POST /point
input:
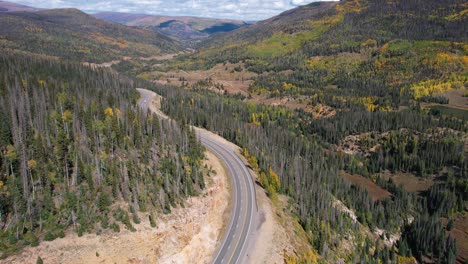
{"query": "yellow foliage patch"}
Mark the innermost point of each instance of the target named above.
(288, 87)
(369, 43)
(384, 48)
(144, 75)
(109, 112)
(121, 43)
(368, 102)
(350, 6)
(103, 156)
(10, 153)
(406, 260)
(52, 176)
(305, 256)
(314, 61)
(458, 16)
(433, 87)
(33, 29)
(451, 58)
(32, 164)
(453, 61)
(67, 116)
(118, 113)
(254, 119)
(274, 179)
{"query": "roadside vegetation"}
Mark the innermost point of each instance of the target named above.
(78, 154)
(283, 147)
(385, 87)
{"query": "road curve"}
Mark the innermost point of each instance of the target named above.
(233, 248)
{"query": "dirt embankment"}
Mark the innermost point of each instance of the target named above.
(276, 232)
(272, 237)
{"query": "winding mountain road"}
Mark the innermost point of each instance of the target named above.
(238, 235)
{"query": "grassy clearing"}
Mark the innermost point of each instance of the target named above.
(457, 98)
(375, 191)
(282, 43)
(410, 182)
(450, 111)
(460, 233)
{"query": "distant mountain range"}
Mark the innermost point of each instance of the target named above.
(183, 28)
(197, 23)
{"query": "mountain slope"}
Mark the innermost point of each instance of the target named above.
(72, 34)
(359, 20)
(78, 154)
(290, 22)
(366, 48)
(179, 30)
(118, 17)
(383, 68)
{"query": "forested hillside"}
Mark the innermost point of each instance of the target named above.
(374, 53)
(78, 154)
(393, 76)
(289, 156)
(74, 35)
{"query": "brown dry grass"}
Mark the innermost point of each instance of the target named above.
(121, 43)
(456, 98)
(375, 191)
(410, 182)
(460, 233)
(234, 82)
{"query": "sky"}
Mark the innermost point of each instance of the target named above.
(251, 10)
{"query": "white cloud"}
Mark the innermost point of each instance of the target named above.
(234, 9)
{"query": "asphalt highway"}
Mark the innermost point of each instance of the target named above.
(237, 236)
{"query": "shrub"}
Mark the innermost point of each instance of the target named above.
(49, 236)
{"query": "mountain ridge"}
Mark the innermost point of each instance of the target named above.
(73, 34)
(183, 28)
(138, 19)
